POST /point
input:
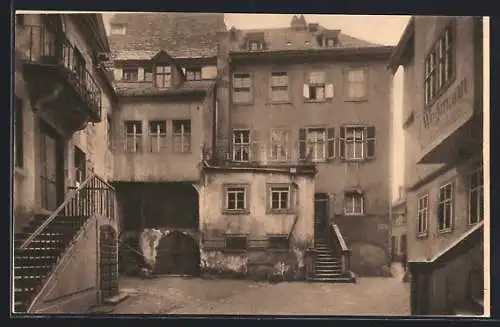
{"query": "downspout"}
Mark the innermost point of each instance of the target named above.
(296, 216)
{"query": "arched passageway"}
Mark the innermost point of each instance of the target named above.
(178, 254)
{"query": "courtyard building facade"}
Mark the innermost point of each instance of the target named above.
(64, 219)
(443, 121)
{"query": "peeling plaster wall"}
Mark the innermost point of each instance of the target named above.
(256, 224)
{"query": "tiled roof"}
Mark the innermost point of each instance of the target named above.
(287, 38)
(141, 88)
(181, 35)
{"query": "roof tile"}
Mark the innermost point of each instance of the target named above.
(182, 35)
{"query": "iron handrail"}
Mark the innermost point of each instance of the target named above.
(62, 206)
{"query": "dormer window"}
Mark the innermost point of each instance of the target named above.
(163, 76)
(331, 42)
(255, 45)
(193, 74)
(118, 29)
(130, 74)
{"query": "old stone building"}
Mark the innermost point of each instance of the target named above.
(305, 95)
(442, 59)
(399, 227)
(62, 95)
(164, 71)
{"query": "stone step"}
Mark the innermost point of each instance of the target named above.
(339, 279)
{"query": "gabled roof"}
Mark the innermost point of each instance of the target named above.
(287, 38)
(181, 35)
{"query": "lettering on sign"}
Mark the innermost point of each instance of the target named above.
(433, 115)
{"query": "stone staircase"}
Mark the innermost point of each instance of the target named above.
(327, 267)
(34, 264)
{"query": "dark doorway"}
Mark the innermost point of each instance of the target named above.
(402, 244)
(178, 254)
(108, 272)
(51, 172)
(320, 214)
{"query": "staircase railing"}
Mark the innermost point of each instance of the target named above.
(337, 244)
(93, 197)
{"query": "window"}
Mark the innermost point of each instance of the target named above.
(476, 197)
(279, 198)
(242, 87)
(331, 42)
(278, 243)
(422, 215)
(241, 145)
(439, 66)
(109, 125)
(236, 242)
(279, 86)
(255, 45)
(357, 142)
(18, 133)
(313, 142)
(130, 74)
(182, 136)
(353, 203)
(148, 74)
(402, 244)
(80, 162)
(316, 81)
(118, 29)
(193, 74)
(163, 77)
(279, 145)
(133, 136)
(235, 198)
(445, 207)
(157, 135)
(19, 19)
(356, 80)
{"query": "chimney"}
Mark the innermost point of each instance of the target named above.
(298, 23)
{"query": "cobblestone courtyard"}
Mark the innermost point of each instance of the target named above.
(177, 295)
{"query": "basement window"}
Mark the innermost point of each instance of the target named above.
(278, 242)
(236, 242)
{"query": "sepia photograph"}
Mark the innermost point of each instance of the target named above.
(188, 163)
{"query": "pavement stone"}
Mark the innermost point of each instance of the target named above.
(176, 295)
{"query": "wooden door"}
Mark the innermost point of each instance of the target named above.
(320, 213)
(51, 172)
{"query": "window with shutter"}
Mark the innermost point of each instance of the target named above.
(331, 143)
(302, 144)
(370, 142)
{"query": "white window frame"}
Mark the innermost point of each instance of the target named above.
(354, 195)
(479, 191)
(239, 144)
(193, 74)
(165, 71)
(280, 189)
(280, 144)
(135, 136)
(157, 138)
(235, 190)
(317, 82)
(185, 137)
(314, 143)
(447, 201)
(354, 141)
(127, 70)
(423, 215)
(351, 80)
(255, 45)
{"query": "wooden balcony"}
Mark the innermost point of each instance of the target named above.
(56, 76)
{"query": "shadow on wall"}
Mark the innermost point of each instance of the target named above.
(369, 260)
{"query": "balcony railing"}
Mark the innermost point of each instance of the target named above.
(42, 46)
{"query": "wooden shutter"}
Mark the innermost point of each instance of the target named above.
(370, 142)
(342, 143)
(209, 72)
(331, 143)
(302, 144)
(118, 74)
(305, 91)
(329, 91)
